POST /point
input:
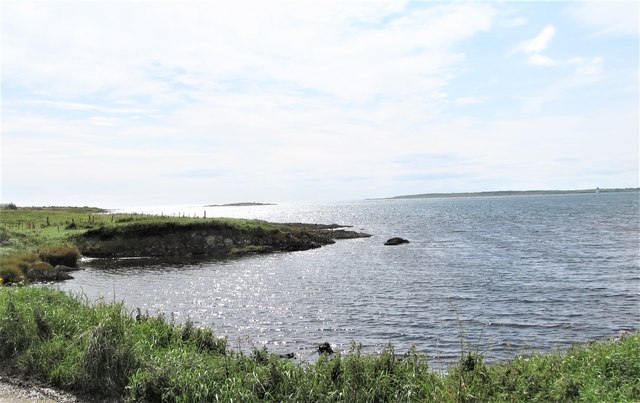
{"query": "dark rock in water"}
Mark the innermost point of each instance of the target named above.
(288, 355)
(396, 241)
(65, 269)
(325, 348)
(61, 275)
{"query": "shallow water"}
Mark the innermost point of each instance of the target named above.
(503, 274)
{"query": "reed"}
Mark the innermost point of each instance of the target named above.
(104, 349)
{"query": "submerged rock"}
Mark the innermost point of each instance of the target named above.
(396, 241)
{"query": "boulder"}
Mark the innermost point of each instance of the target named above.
(396, 241)
(42, 271)
(325, 348)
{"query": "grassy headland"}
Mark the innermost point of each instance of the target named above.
(106, 350)
(40, 238)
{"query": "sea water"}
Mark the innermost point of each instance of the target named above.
(496, 275)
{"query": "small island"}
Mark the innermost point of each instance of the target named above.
(240, 204)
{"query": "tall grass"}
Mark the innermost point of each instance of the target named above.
(106, 350)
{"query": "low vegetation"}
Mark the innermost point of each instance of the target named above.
(57, 235)
(103, 349)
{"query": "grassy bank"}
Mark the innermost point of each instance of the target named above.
(105, 350)
(27, 228)
(39, 238)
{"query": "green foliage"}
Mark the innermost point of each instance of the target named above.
(248, 250)
(13, 267)
(50, 233)
(108, 351)
(109, 359)
(60, 255)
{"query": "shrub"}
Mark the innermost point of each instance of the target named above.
(109, 360)
(14, 331)
(41, 266)
(13, 268)
(61, 255)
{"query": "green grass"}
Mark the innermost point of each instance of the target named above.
(104, 349)
(48, 233)
(37, 227)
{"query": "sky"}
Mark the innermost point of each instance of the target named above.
(120, 103)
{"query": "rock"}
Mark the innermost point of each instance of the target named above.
(288, 355)
(325, 348)
(65, 269)
(61, 275)
(42, 271)
(396, 241)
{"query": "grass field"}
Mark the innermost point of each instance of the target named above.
(36, 227)
(27, 235)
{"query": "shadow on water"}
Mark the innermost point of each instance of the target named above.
(157, 263)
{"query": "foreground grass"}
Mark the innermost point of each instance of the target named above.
(105, 350)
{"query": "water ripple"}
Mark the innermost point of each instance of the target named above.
(500, 275)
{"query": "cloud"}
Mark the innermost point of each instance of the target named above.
(281, 100)
(471, 100)
(611, 18)
(539, 43)
(534, 47)
(541, 60)
(311, 46)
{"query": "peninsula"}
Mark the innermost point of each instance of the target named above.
(34, 240)
(508, 193)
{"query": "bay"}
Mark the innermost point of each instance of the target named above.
(496, 275)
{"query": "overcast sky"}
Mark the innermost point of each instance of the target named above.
(121, 103)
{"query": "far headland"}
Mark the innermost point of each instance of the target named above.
(509, 193)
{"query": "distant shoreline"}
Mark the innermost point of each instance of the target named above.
(243, 204)
(508, 193)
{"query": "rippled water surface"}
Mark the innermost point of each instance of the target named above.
(507, 273)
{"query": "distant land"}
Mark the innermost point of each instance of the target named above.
(508, 193)
(242, 204)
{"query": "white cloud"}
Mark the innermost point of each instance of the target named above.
(541, 60)
(610, 18)
(515, 22)
(203, 99)
(539, 43)
(471, 100)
